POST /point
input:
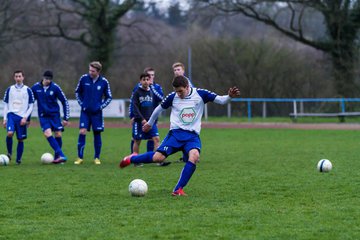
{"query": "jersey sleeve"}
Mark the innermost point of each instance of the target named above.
(206, 95)
(6, 95)
(31, 95)
(158, 93)
(168, 100)
(131, 107)
(65, 103)
(79, 92)
(107, 94)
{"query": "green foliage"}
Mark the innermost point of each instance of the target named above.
(250, 184)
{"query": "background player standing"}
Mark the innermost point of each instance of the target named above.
(142, 109)
(46, 93)
(158, 95)
(18, 105)
(93, 95)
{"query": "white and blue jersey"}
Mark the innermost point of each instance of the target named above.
(19, 100)
(47, 103)
(93, 96)
(186, 113)
(18, 104)
(185, 120)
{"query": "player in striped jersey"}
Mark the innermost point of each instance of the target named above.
(18, 105)
(93, 95)
(187, 107)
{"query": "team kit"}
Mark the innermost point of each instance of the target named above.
(93, 94)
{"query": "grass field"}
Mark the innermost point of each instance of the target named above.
(250, 184)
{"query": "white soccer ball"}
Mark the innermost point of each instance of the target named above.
(324, 165)
(138, 188)
(4, 160)
(47, 158)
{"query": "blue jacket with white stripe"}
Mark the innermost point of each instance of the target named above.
(93, 96)
(47, 100)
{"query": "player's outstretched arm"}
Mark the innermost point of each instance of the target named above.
(234, 92)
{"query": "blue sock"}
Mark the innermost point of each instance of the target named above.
(55, 146)
(81, 145)
(59, 141)
(9, 144)
(97, 144)
(150, 146)
(143, 158)
(132, 146)
(185, 175)
(19, 151)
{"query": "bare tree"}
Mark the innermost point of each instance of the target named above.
(92, 23)
(11, 13)
(341, 21)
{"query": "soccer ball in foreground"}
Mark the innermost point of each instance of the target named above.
(4, 160)
(138, 188)
(324, 165)
(47, 158)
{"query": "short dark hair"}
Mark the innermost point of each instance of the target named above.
(144, 75)
(180, 81)
(18, 71)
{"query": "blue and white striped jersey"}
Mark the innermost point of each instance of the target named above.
(186, 113)
(19, 100)
(47, 100)
(93, 96)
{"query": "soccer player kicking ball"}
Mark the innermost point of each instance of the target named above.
(47, 93)
(187, 107)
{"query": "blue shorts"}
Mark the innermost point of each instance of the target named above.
(54, 123)
(138, 134)
(180, 140)
(13, 125)
(94, 120)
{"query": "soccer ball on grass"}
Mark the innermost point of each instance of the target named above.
(4, 160)
(324, 165)
(138, 188)
(47, 158)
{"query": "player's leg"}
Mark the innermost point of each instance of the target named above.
(136, 148)
(47, 124)
(97, 122)
(168, 147)
(97, 146)
(150, 145)
(58, 138)
(132, 146)
(10, 127)
(19, 151)
(156, 141)
(21, 134)
(84, 125)
(193, 148)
